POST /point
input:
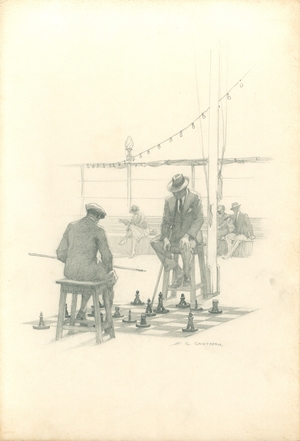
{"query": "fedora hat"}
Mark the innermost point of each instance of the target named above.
(96, 208)
(178, 183)
(235, 205)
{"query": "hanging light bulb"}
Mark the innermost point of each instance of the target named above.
(119, 164)
(241, 84)
(193, 126)
(203, 115)
(171, 139)
(140, 156)
(148, 152)
(228, 96)
(181, 134)
(158, 146)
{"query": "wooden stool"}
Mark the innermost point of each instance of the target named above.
(79, 288)
(192, 289)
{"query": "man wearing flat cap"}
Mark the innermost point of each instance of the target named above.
(180, 228)
(243, 229)
(78, 250)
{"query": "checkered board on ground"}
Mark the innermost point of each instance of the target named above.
(171, 324)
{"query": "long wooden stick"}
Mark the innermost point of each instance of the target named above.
(115, 266)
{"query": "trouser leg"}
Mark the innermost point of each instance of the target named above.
(186, 263)
(165, 257)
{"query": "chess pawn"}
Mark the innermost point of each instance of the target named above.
(215, 309)
(160, 307)
(190, 325)
(143, 323)
(149, 312)
(41, 324)
(67, 315)
(183, 303)
(137, 300)
(128, 320)
(117, 313)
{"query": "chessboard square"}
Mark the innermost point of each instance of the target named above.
(186, 312)
(137, 310)
(174, 324)
(207, 323)
(155, 332)
(160, 319)
(229, 315)
(201, 318)
(242, 310)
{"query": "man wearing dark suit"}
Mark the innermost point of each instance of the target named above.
(180, 228)
(78, 249)
(243, 230)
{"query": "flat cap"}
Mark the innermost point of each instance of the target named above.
(95, 207)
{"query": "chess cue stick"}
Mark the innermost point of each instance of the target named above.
(115, 266)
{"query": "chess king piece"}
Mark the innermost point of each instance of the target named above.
(183, 303)
(67, 315)
(149, 312)
(129, 320)
(117, 313)
(41, 324)
(215, 309)
(143, 323)
(190, 326)
(160, 307)
(137, 300)
(196, 307)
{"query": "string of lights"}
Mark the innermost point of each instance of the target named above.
(122, 164)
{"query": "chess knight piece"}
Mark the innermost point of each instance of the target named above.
(143, 323)
(190, 326)
(215, 309)
(41, 324)
(160, 307)
(117, 313)
(137, 300)
(183, 303)
(128, 320)
(149, 312)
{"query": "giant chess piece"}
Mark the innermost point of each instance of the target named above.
(143, 323)
(67, 315)
(129, 320)
(183, 303)
(196, 307)
(215, 309)
(160, 307)
(149, 312)
(137, 300)
(117, 313)
(41, 325)
(190, 326)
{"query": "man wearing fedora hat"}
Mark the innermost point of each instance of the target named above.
(180, 228)
(78, 249)
(243, 229)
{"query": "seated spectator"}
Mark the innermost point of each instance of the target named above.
(137, 228)
(222, 227)
(243, 230)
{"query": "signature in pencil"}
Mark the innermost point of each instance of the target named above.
(196, 343)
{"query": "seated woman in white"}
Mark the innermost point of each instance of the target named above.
(137, 228)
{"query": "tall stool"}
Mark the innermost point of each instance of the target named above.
(79, 288)
(193, 287)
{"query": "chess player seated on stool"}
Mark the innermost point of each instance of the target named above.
(180, 229)
(78, 249)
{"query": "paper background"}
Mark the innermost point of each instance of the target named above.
(77, 78)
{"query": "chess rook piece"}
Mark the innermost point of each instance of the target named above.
(143, 323)
(149, 312)
(128, 320)
(190, 326)
(41, 325)
(117, 313)
(137, 300)
(215, 309)
(183, 303)
(196, 307)
(160, 307)
(67, 315)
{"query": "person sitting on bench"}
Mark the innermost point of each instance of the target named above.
(78, 249)
(243, 230)
(180, 228)
(137, 228)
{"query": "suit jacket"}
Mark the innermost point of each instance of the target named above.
(175, 224)
(78, 250)
(242, 224)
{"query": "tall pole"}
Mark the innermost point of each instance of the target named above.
(212, 267)
(82, 189)
(128, 147)
(192, 177)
